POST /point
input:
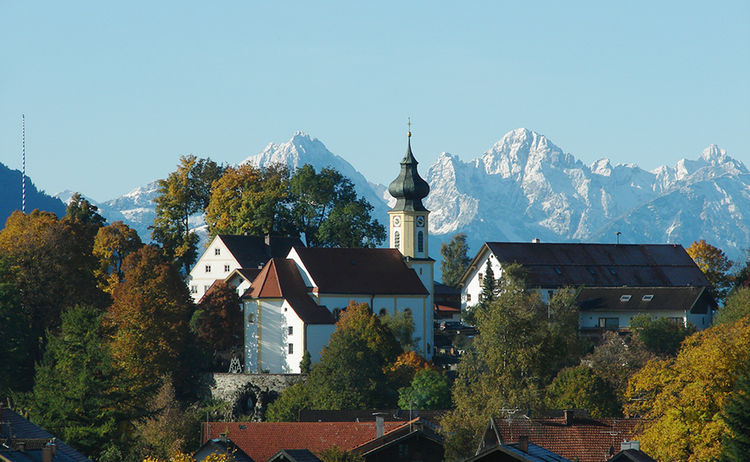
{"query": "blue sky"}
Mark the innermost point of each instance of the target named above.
(114, 94)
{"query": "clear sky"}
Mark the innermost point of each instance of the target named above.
(114, 94)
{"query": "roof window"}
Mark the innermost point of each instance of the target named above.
(558, 270)
(624, 298)
(591, 270)
(612, 271)
(647, 298)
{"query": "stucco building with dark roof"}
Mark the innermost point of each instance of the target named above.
(615, 281)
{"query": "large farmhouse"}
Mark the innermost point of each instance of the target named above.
(614, 281)
(291, 302)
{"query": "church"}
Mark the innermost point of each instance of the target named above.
(291, 304)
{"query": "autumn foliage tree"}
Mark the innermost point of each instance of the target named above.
(111, 245)
(217, 320)
(683, 398)
(149, 318)
(714, 264)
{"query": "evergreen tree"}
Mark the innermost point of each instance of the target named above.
(455, 259)
(16, 369)
(488, 285)
(77, 393)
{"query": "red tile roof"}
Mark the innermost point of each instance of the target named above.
(261, 440)
(583, 439)
(360, 271)
(280, 278)
(446, 309)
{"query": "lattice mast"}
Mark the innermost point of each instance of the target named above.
(23, 163)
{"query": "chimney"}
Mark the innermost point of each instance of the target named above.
(267, 239)
(523, 443)
(47, 454)
(379, 426)
(223, 437)
(630, 445)
(536, 240)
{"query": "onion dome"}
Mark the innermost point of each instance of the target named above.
(409, 188)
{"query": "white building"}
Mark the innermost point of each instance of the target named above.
(615, 281)
(226, 253)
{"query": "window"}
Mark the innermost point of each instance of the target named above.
(208, 268)
(468, 297)
(251, 318)
(291, 348)
(624, 298)
(609, 323)
(226, 268)
(217, 251)
(647, 298)
(676, 321)
(396, 239)
(612, 272)
(481, 277)
(591, 271)
(193, 289)
(205, 288)
(420, 241)
(290, 330)
(558, 270)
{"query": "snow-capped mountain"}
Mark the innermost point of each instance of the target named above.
(525, 187)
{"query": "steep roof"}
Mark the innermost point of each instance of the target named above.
(409, 188)
(17, 428)
(398, 435)
(253, 251)
(261, 440)
(599, 265)
(360, 271)
(576, 438)
(294, 455)
(644, 299)
(534, 453)
(280, 278)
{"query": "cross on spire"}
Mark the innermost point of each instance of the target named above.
(408, 133)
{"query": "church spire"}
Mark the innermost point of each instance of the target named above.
(409, 188)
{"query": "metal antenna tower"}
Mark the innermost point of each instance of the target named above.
(23, 163)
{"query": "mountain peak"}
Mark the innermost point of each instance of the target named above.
(713, 154)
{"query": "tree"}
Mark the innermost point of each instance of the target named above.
(84, 216)
(736, 307)
(401, 325)
(520, 348)
(488, 285)
(682, 398)
(455, 259)
(149, 318)
(111, 245)
(351, 373)
(616, 359)
(430, 389)
(185, 192)
(401, 372)
(335, 454)
(251, 200)
(77, 393)
(580, 388)
(736, 414)
(660, 336)
(52, 267)
(217, 320)
(328, 213)
(16, 367)
(306, 364)
(714, 264)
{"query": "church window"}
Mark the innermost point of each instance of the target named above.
(217, 251)
(396, 239)
(251, 318)
(420, 241)
(291, 330)
(291, 348)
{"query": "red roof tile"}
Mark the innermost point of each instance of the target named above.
(261, 440)
(583, 439)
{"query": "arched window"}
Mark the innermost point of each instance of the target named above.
(420, 241)
(396, 239)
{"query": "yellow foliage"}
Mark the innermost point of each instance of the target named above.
(182, 457)
(714, 264)
(682, 398)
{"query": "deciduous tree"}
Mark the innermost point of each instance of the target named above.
(430, 389)
(580, 388)
(455, 259)
(714, 264)
(111, 245)
(736, 414)
(660, 336)
(736, 307)
(682, 398)
(16, 367)
(217, 320)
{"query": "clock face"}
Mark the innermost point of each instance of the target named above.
(396, 221)
(420, 221)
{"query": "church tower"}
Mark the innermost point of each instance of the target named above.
(409, 233)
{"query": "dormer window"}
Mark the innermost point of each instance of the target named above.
(624, 298)
(647, 298)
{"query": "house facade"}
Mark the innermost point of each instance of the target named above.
(614, 281)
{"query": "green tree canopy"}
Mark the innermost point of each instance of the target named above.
(736, 414)
(430, 389)
(661, 336)
(328, 213)
(77, 395)
(580, 388)
(16, 367)
(185, 192)
(455, 259)
(736, 307)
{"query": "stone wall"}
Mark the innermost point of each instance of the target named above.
(249, 394)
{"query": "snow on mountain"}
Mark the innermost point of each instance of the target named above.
(526, 187)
